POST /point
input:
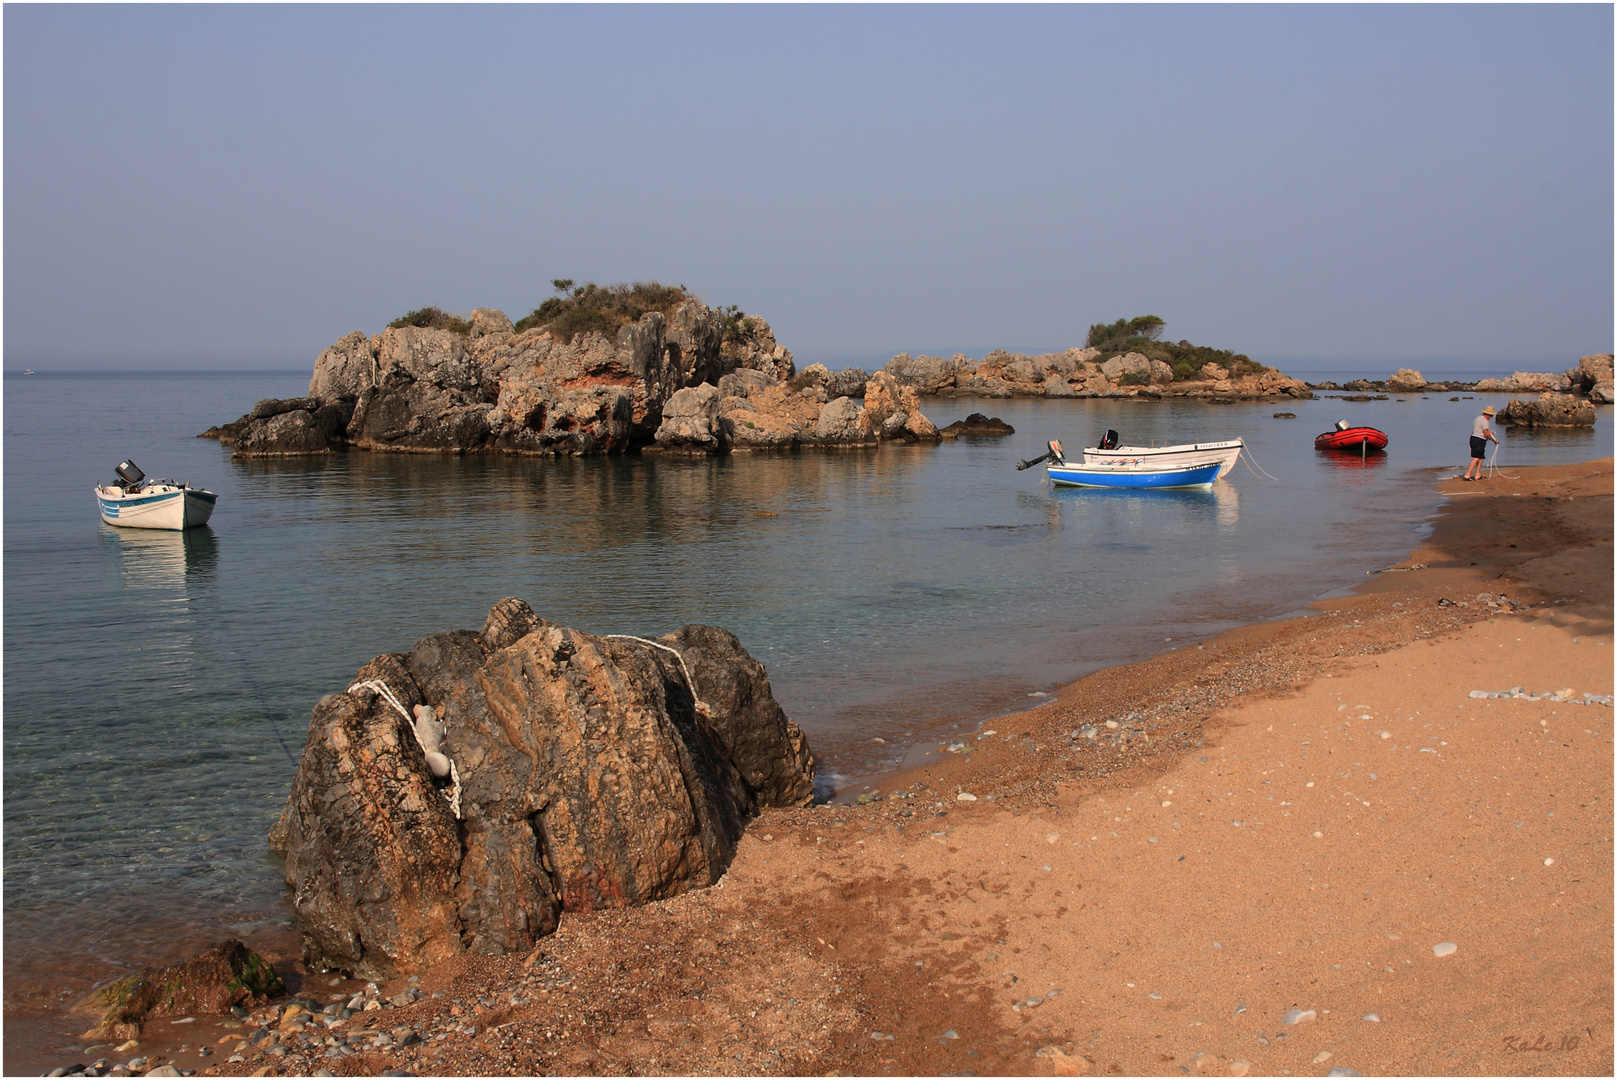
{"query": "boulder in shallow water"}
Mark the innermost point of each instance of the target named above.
(1549, 410)
(586, 772)
(978, 424)
(225, 975)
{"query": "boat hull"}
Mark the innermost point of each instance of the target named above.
(1226, 453)
(1356, 440)
(175, 508)
(1135, 477)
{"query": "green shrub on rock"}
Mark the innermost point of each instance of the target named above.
(601, 309)
(1139, 335)
(432, 318)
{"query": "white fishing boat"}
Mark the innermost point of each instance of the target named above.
(1226, 453)
(1113, 474)
(134, 502)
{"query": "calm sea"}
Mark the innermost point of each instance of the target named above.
(158, 686)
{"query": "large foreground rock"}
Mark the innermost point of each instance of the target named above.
(224, 975)
(586, 772)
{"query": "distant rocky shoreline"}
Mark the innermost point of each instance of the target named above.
(701, 380)
(1567, 399)
(685, 382)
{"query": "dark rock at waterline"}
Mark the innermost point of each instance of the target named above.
(227, 974)
(978, 424)
(589, 772)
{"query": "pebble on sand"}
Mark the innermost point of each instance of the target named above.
(965, 796)
(1239, 1067)
(1549, 862)
(1322, 1056)
(1298, 1016)
(1374, 1018)
(1444, 948)
(1340, 1071)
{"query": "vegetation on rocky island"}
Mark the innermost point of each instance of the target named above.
(1140, 334)
(582, 309)
(432, 318)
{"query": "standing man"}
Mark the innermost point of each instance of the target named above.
(1481, 435)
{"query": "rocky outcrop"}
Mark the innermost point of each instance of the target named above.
(1592, 377)
(749, 411)
(493, 390)
(1549, 410)
(225, 975)
(978, 425)
(580, 772)
(1528, 381)
(1406, 380)
(1079, 373)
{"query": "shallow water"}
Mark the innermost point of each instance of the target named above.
(158, 686)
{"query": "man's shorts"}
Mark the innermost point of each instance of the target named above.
(1479, 447)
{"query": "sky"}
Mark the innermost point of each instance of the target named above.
(1320, 186)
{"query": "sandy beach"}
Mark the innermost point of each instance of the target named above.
(1312, 820)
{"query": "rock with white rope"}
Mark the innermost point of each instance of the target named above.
(584, 771)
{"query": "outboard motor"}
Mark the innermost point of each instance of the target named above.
(1342, 425)
(1109, 440)
(129, 474)
(1053, 453)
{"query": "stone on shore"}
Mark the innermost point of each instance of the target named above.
(227, 974)
(588, 772)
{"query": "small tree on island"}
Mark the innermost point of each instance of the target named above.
(1141, 335)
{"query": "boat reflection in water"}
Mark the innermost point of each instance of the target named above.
(163, 559)
(1166, 509)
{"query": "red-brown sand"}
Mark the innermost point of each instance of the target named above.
(1309, 815)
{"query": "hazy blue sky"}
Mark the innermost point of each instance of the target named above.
(238, 186)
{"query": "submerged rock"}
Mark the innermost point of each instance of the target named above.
(221, 977)
(586, 772)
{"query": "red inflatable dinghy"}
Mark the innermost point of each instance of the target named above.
(1359, 440)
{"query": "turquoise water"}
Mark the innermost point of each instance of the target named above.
(158, 686)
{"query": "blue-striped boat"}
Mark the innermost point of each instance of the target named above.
(134, 502)
(1125, 475)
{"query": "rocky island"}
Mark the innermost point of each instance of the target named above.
(598, 370)
(650, 368)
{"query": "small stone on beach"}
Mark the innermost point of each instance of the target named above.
(1373, 1018)
(1444, 948)
(1298, 1016)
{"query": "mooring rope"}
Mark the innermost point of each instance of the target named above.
(690, 683)
(453, 794)
(1251, 464)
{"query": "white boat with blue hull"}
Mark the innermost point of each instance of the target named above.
(1111, 474)
(1225, 452)
(134, 502)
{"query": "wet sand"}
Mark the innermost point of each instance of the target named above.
(1290, 816)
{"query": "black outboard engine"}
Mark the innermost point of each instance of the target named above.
(1342, 425)
(1052, 452)
(1109, 440)
(129, 475)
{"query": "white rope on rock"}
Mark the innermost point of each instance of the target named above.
(690, 683)
(376, 685)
